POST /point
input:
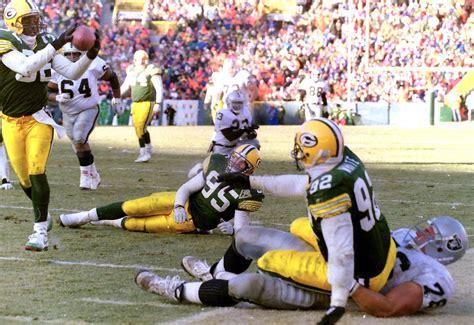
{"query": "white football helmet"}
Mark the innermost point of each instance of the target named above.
(72, 53)
(140, 58)
(443, 238)
(235, 101)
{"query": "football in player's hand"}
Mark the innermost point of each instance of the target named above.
(83, 38)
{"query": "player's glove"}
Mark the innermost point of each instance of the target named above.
(117, 106)
(180, 215)
(63, 98)
(64, 38)
(251, 133)
(226, 227)
(235, 179)
(333, 314)
(94, 51)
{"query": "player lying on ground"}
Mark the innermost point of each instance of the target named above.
(353, 234)
(418, 281)
(200, 204)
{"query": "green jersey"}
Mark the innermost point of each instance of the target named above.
(219, 200)
(347, 188)
(140, 82)
(28, 94)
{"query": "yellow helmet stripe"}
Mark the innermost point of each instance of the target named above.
(332, 207)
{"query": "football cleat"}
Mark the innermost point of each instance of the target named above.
(94, 181)
(197, 268)
(74, 220)
(37, 241)
(85, 181)
(6, 185)
(169, 287)
(144, 156)
(149, 148)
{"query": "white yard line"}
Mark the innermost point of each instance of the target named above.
(89, 263)
(126, 303)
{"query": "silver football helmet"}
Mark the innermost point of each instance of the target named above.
(71, 52)
(235, 101)
(443, 238)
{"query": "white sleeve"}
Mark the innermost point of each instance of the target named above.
(338, 233)
(68, 69)
(28, 65)
(99, 67)
(158, 84)
(241, 219)
(192, 185)
(283, 185)
(125, 85)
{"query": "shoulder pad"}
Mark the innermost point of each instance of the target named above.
(8, 41)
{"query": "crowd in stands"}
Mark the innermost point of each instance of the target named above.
(281, 51)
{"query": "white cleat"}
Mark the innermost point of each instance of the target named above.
(37, 241)
(6, 185)
(144, 156)
(197, 268)
(94, 181)
(74, 220)
(169, 287)
(149, 148)
(85, 181)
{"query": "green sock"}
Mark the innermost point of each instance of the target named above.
(40, 196)
(111, 212)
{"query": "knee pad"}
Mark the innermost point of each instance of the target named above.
(216, 293)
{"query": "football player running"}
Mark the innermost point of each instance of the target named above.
(4, 168)
(144, 81)
(78, 101)
(27, 56)
(419, 279)
(201, 204)
(313, 94)
(231, 124)
(353, 237)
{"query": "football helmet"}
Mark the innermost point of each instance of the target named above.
(140, 57)
(443, 238)
(317, 141)
(23, 17)
(235, 101)
(244, 159)
(71, 52)
(229, 66)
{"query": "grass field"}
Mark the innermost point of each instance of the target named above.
(87, 274)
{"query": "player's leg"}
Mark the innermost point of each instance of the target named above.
(142, 112)
(83, 125)
(4, 169)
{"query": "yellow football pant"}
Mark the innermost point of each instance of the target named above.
(154, 213)
(142, 113)
(28, 144)
(310, 268)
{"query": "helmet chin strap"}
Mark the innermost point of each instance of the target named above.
(30, 40)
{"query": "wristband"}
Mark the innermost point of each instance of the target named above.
(178, 206)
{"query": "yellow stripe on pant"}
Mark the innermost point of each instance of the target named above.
(142, 112)
(28, 144)
(154, 214)
(310, 268)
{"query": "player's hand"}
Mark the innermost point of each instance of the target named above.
(63, 98)
(226, 227)
(180, 215)
(64, 38)
(333, 314)
(251, 133)
(156, 108)
(94, 51)
(235, 179)
(118, 106)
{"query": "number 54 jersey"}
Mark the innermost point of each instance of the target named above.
(219, 200)
(83, 91)
(347, 188)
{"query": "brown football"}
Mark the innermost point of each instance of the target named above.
(83, 38)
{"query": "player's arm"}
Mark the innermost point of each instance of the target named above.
(183, 193)
(282, 185)
(158, 85)
(53, 91)
(27, 65)
(404, 299)
(110, 76)
(125, 85)
(224, 124)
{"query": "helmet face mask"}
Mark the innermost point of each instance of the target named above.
(443, 238)
(23, 18)
(317, 141)
(245, 160)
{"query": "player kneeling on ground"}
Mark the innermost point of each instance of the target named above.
(201, 204)
(419, 279)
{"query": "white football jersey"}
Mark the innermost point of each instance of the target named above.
(314, 90)
(225, 119)
(414, 266)
(237, 82)
(83, 91)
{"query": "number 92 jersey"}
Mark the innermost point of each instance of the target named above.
(219, 200)
(26, 95)
(347, 188)
(83, 91)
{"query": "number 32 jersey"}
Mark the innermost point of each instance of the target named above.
(83, 91)
(347, 188)
(219, 200)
